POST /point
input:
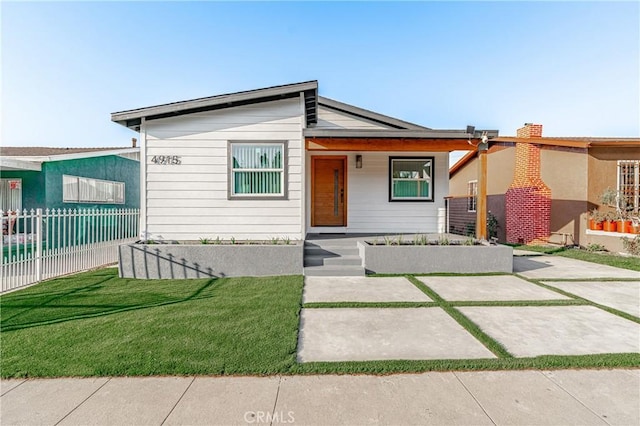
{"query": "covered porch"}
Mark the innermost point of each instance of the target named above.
(384, 182)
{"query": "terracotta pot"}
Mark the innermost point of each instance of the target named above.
(609, 225)
(595, 226)
(629, 227)
(621, 225)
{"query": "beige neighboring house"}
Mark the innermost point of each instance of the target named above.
(541, 189)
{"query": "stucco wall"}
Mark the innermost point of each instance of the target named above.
(565, 172)
(111, 168)
(500, 168)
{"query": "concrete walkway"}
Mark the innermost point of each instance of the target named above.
(585, 397)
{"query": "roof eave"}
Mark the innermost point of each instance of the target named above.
(132, 118)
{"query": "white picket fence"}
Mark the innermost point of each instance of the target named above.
(38, 245)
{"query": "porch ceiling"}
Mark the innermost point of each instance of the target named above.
(389, 144)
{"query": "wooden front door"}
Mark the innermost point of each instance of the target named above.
(328, 191)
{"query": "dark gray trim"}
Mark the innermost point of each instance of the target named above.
(285, 166)
(433, 186)
(369, 115)
(397, 133)
(130, 118)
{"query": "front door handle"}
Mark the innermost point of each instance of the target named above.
(342, 196)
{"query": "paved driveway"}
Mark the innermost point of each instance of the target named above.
(526, 318)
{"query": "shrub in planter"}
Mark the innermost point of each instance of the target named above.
(595, 220)
(609, 223)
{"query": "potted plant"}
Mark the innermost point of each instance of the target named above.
(609, 223)
(609, 197)
(595, 220)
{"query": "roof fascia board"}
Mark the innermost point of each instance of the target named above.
(397, 133)
(75, 156)
(14, 163)
(212, 101)
(369, 115)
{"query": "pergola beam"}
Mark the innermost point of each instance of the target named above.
(387, 144)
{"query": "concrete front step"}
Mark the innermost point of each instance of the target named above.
(319, 260)
(329, 250)
(334, 271)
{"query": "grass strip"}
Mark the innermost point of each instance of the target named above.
(609, 259)
(491, 344)
(516, 303)
(588, 302)
(546, 362)
(314, 305)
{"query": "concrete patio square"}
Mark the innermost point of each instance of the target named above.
(488, 288)
(558, 267)
(612, 394)
(406, 399)
(361, 289)
(44, 401)
(363, 334)
(225, 400)
(131, 401)
(621, 295)
(527, 331)
(526, 398)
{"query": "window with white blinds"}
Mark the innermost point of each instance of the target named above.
(10, 194)
(257, 170)
(77, 189)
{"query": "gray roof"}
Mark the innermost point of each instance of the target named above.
(370, 115)
(132, 118)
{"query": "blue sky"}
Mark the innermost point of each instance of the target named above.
(573, 67)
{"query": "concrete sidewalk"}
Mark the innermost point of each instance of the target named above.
(586, 397)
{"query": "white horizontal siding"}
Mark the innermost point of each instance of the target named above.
(332, 119)
(368, 206)
(189, 201)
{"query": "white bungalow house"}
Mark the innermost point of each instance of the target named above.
(285, 162)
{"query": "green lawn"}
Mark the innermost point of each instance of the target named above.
(626, 262)
(98, 324)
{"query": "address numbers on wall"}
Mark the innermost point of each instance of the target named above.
(166, 160)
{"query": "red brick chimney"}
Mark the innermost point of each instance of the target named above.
(530, 130)
(528, 199)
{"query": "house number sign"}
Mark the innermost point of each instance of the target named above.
(166, 160)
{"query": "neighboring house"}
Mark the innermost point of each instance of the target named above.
(541, 188)
(70, 178)
(284, 162)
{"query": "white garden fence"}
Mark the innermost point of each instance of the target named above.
(38, 245)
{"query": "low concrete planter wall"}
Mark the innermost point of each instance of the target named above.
(428, 259)
(178, 261)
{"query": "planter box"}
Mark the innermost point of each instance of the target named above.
(180, 261)
(429, 259)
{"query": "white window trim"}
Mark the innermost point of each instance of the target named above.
(428, 179)
(282, 195)
(473, 196)
(5, 181)
(79, 201)
(636, 182)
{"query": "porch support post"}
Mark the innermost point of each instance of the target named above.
(481, 205)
